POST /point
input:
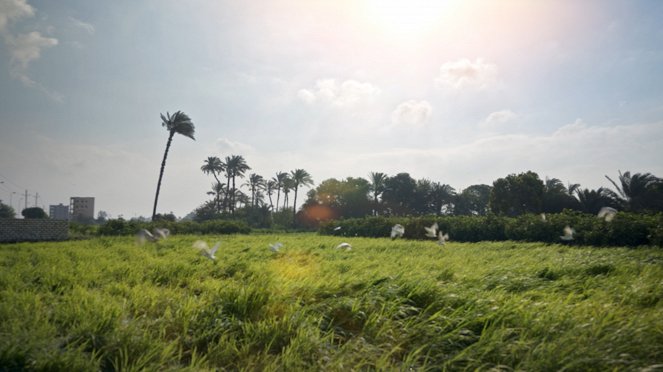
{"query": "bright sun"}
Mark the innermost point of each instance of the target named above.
(407, 17)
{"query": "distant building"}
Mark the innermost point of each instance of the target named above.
(58, 212)
(81, 208)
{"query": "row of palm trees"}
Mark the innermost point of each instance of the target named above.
(234, 166)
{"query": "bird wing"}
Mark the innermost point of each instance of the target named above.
(144, 235)
(431, 232)
(200, 244)
(161, 233)
(397, 230)
(607, 212)
(215, 248)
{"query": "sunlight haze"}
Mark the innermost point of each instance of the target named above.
(459, 92)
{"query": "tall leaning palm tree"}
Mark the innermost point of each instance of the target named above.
(214, 166)
(300, 177)
(178, 123)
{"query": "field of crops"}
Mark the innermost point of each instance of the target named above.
(110, 304)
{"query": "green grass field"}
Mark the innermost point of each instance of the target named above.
(109, 304)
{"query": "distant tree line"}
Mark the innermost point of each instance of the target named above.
(265, 200)
(513, 195)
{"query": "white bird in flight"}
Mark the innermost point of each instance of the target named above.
(275, 247)
(204, 249)
(607, 213)
(431, 232)
(397, 231)
(144, 235)
(160, 233)
(568, 233)
(442, 238)
(347, 246)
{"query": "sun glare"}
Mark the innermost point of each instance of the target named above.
(407, 17)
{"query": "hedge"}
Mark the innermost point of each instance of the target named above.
(626, 229)
(122, 227)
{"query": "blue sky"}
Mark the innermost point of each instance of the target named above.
(460, 92)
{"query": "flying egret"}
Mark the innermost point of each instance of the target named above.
(160, 233)
(143, 236)
(607, 213)
(397, 231)
(568, 234)
(347, 246)
(275, 247)
(204, 249)
(337, 228)
(431, 232)
(442, 238)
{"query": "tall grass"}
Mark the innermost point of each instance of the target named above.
(109, 304)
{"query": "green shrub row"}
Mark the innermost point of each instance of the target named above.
(626, 229)
(122, 227)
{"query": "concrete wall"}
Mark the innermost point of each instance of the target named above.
(21, 230)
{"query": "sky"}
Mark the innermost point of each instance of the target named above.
(456, 91)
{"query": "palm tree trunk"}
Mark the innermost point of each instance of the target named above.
(218, 199)
(294, 206)
(278, 196)
(226, 198)
(232, 204)
(163, 166)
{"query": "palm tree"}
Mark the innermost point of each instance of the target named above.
(280, 180)
(229, 175)
(636, 192)
(442, 195)
(591, 201)
(237, 166)
(256, 183)
(213, 165)
(377, 180)
(217, 189)
(554, 186)
(179, 123)
(270, 186)
(288, 184)
(300, 177)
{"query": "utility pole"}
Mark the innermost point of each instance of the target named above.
(36, 196)
(26, 199)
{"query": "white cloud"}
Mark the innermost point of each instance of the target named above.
(87, 27)
(24, 48)
(306, 95)
(347, 94)
(412, 113)
(497, 118)
(12, 10)
(465, 73)
(227, 147)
